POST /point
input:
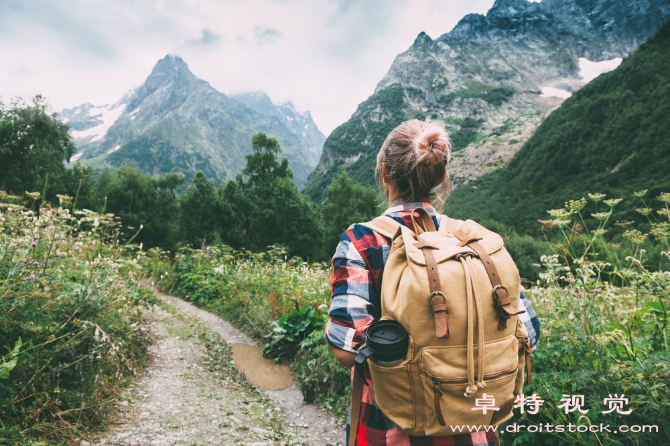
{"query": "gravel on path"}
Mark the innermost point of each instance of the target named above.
(191, 394)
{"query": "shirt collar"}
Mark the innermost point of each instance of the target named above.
(398, 206)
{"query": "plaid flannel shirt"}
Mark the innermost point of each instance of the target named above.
(358, 268)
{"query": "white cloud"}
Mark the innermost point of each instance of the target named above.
(324, 55)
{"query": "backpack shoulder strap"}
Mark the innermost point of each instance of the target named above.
(383, 225)
(356, 402)
(449, 225)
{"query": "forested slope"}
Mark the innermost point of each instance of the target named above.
(612, 137)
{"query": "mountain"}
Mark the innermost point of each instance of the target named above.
(300, 124)
(175, 122)
(491, 81)
(611, 137)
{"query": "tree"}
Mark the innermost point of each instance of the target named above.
(199, 212)
(138, 199)
(32, 145)
(267, 208)
(347, 202)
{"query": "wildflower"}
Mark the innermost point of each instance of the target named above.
(664, 211)
(640, 193)
(599, 232)
(33, 195)
(68, 316)
(84, 326)
(561, 223)
(635, 236)
(571, 316)
(559, 214)
(601, 215)
(574, 206)
(34, 243)
(54, 303)
(547, 224)
(596, 197)
(613, 202)
(32, 276)
(624, 224)
(36, 263)
(644, 211)
(665, 197)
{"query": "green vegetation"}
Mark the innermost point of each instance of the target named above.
(466, 134)
(352, 139)
(70, 312)
(279, 301)
(604, 332)
(604, 326)
(477, 90)
(347, 203)
(33, 146)
(467, 123)
(462, 138)
(611, 137)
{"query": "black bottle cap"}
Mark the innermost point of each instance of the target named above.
(388, 340)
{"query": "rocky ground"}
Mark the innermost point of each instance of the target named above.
(192, 394)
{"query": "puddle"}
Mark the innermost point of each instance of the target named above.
(260, 371)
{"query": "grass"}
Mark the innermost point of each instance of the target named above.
(71, 326)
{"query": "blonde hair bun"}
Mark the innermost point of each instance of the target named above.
(432, 145)
(415, 156)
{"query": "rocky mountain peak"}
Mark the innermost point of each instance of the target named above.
(168, 69)
(509, 7)
(422, 40)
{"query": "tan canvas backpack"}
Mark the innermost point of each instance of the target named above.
(456, 292)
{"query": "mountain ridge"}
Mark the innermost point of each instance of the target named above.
(491, 81)
(176, 122)
(611, 137)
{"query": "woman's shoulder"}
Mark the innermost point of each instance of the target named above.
(363, 237)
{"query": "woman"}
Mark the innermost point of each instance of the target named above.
(411, 172)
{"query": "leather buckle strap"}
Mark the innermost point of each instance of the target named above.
(441, 322)
(439, 308)
(468, 240)
(529, 371)
(504, 306)
(501, 298)
(426, 220)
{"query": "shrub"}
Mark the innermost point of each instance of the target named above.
(70, 318)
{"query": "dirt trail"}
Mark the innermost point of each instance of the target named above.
(190, 393)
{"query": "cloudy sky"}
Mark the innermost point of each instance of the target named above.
(324, 55)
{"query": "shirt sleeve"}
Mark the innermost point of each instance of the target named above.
(532, 323)
(351, 310)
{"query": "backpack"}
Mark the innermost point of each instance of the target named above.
(452, 290)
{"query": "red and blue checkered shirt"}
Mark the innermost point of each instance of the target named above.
(358, 267)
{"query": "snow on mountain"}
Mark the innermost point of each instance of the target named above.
(106, 115)
(548, 92)
(590, 70)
